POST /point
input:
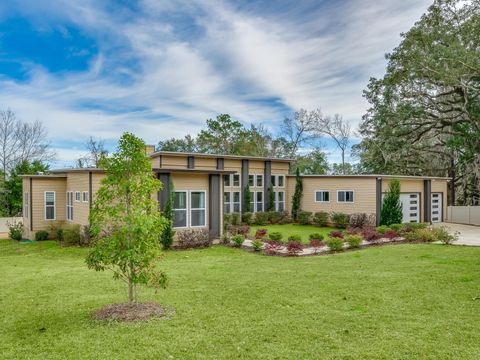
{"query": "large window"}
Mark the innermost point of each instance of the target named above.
(49, 205)
(322, 196)
(232, 180)
(70, 205)
(180, 209)
(345, 196)
(278, 180)
(259, 182)
(26, 202)
(197, 208)
(231, 201)
(279, 201)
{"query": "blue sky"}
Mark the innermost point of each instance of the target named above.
(159, 68)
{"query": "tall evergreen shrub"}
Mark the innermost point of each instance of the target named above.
(297, 196)
(392, 206)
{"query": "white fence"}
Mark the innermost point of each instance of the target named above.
(4, 221)
(464, 214)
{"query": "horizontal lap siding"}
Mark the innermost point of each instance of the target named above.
(78, 181)
(364, 194)
(205, 163)
(280, 167)
(406, 186)
(174, 162)
(37, 201)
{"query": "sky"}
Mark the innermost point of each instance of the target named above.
(160, 68)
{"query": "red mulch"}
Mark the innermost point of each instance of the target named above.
(130, 313)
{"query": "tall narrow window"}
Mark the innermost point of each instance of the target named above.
(272, 180)
(259, 182)
(227, 206)
(236, 180)
(279, 200)
(70, 205)
(226, 181)
(26, 202)
(236, 201)
(85, 197)
(49, 205)
(251, 180)
(252, 201)
(280, 180)
(259, 201)
(77, 196)
(180, 209)
(197, 208)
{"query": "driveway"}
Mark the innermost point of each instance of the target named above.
(469, 234)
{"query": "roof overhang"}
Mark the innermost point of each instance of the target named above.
(192, 171)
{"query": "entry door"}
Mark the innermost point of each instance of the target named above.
(411, 207)
(437, 206)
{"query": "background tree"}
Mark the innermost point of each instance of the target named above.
(314, 162)
(425, 112)
(187, 144)
(125, 220)
(168, 232)
(96, 153)
(392, 206)
(297, 195)
(298, 130)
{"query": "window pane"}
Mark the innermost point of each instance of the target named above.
(349, 196)
(250, 180)
(260, 180)
(326, 196)
(259, 196)
(236, 207)
(50, 213)
(198, 217)
(226, 180)
(180, 201)
(259, 206)
(273, 180)
(280, 195)
(226, 197)
(180, 218)
(281, 206)
(341, 196)
(50, 198)
(197, 200)
(280, 180)
(236, 196)
(236, 180)
(227, 208)
(318, 196)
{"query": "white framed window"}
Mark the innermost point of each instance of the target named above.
(278, 181)
(180, 212)
(251, 180)
(49, 205)
(226, 181)
(259, 180)
(322, 196)
(231, 201)
(252, 201)
(70, 205)
(345, 196)
(26, 202)
(77, 196)
(85, 197)
(258, 201)
(198, 208)
(236, 180)
(279, 200)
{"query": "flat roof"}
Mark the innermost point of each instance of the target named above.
(405, 177)
(65, 170)
(179, 153)
(45, 176)
(195, 171)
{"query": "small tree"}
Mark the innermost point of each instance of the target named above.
(297, 196)
(271, 199)
(125, 220)
(392, 207)
(168, 232)
(247, 198)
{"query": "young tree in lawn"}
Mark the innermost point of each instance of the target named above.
(392, 207)
(126, 223)
(297, 196)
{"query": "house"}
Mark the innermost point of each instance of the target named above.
(207, 186)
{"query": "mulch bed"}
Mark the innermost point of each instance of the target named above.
(131, 313)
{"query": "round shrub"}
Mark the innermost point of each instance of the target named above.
(295, 237)
(257, 245)
(238, 240)
(382, 229)
(304, 217)
(315, 236)
(277, 236)
(354, 241)
(336, 234)
(15, 230)
(320, 218)
(335, 243)
(41, 235)
(260, 233)
(294, 247)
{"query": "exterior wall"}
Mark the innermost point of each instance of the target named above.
(174, 162)
(364, 194)
(37, 204)
(79, 182)
(205, 163)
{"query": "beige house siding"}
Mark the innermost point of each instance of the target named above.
(174, 162)
(78, 182)
(205, 163)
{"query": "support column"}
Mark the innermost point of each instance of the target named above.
(220, 163)
(214, 207)
(427, 201)
(244, 182)
(378, 199)
(267, 182)
(163, 194)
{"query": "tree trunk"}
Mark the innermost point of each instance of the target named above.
(131, 291)
(343, 162)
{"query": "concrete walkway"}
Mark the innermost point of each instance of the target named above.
(468, 234)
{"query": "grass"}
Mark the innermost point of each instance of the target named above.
(392, 302)
(289, 229)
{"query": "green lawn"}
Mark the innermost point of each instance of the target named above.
(391, 302)
(289, 229)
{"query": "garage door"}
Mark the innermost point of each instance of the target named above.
(411, 207)
(437, 206)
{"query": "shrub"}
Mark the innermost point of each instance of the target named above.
(415, 226)
(247, 218)
(304, 217)
(238, 240)
(285, 218)
(370, 235)
(294, 237)
(382, 229)
(390, 234)
(361, 220)
(316, 236)
(236, 219)
(227, 220)
(336, 234)
(297, 195)
(354, 241)
(41, 235)
(71, 235)
(272, 248)
(261, 218)
(274, 217)
(423, 235)
(320, 218)
(60, 235)
(192, 238)
(442, 234)
(335, 243)
(391, 212)
(260, 233)
(340, 219)
(315, 244)
(85, 235)
(239, 229)
(294, 247)
(396, 227)
(276, 236)
(15, 230)
(257, 245)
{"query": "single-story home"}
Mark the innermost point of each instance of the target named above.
(207, 186)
